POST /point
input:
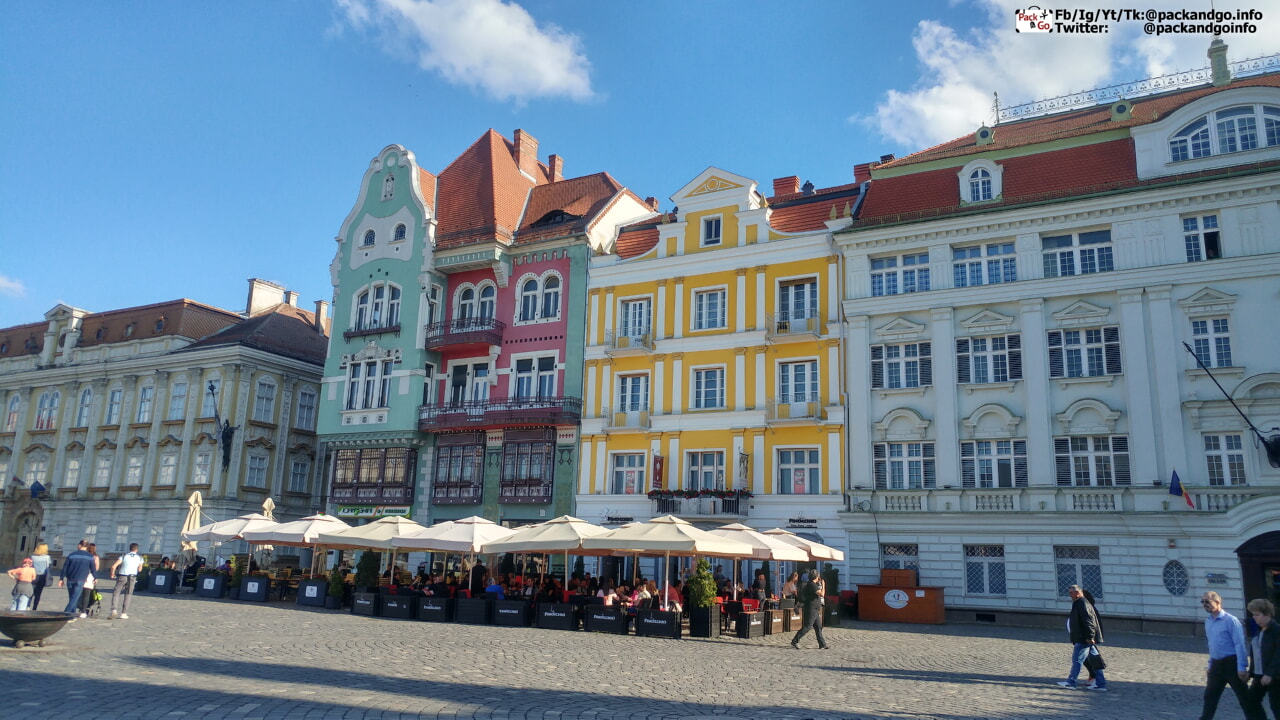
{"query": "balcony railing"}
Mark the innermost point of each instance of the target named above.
(622, 420)
(783, 325)
(457, 493)
(371, 493)
(802, 407)
(501, 413)
(623, 341)
(524, 491)
(485, 330)
(1050, 498)
(371, 330)
(735, 505)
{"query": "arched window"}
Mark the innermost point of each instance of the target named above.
(979, 185)
(369, 237)
(551, 297)
(378, 306)
(466, 304)
(11, 417)
(362, 310)
(47, 411)
(1233, 129)
(389, 187)
(529, 300)
(401, 231)
(86, 404)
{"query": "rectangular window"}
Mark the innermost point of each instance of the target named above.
(633, 393)
(209, 399)
(155, 539)
(635, 318)
(369, 384)
(102, 471)
(71, 477)
(528, 462)
(299, 471)
(797, 300)
(984, 569)
(122, 537)
(168, 469)
(146, 396)
(264, 402)
(90, 533)
(708, 389)
(1078, 566)
(983, 265)
(133, 471)
(200, 470)
(1202, 238)
(1077, 254)
(900, 274)
(1212, 340)
(37, 470)
(709, 310)
(993, 463)
(899, 556)
(904, 466)
(85, 408)
(798, 382)
(628, 474)
(384, 383)
(907, 365)
(799, 472)
(1098, 461)
(1090, 352)
(710, 231)
(1224, 455)
(307, 408)
(989, 359)
(114, 399)
(177, 402)
(257, 473)
(459, 473)
(705, 471)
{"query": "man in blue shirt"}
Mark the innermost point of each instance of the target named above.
(1228, 659)
(75, 572)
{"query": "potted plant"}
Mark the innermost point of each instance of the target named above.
(704, 613)
(337, 585)
(237, 576)
(367, 572)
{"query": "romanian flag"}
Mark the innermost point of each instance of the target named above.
(1175, 488)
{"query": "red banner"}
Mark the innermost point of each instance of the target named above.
(659, 464)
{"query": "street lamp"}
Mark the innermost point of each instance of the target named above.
(225, 430)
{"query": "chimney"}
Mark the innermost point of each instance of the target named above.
(291, 297)
(526, 153)
(262, 295)
(652, 202)
(1219, 72)
(862, 172)
(887, 158)
(322, 317)
(556, 164)
(789, 185)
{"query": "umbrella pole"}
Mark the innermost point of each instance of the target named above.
(666, 579)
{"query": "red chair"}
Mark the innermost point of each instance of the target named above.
(749, 605)
(464, 593)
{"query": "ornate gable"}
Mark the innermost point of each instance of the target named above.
(900, 329)
(987, 322)
(1081, 313)
(1208, 301)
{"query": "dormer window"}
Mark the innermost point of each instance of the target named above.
(389, 187)
(369, 237)
(980, 181)
(980, 185)
(1234, 129)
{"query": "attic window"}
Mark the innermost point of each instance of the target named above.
(981, 181)
(102, 332)
(389, 187)
(160, 324)
(554, 217)
(128, 330)
(369, 237)
(4, 348)
(401, 230)
(1233, 129)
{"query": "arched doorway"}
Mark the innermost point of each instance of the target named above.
(28, 534)
(1260, 567)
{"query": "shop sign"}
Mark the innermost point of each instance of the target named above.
(1215, 578)
(373, 511)
(802, 523)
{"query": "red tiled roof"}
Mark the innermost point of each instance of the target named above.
(1073, 124)
(797, 212)
(181, 318)
(579, 199)
(482, 193)
(636, 240)
(427, 182)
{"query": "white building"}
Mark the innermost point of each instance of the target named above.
(1019, 395)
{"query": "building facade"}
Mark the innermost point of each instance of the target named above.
(109, 425)
(714, 379)
(1017, 303)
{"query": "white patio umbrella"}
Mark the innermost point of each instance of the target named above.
(765, 547)
(563, 534)
(192, 521)
(299, 533)
(816, 550)
(467, 535)
(231, 529)
(381, 534)
(667, 536)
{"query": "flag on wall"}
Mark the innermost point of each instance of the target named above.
(1175, 488)
(659, 464)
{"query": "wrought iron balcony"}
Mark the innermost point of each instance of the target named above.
(793, 326)
(799, 409)
(501, 413)
(479, 330)
(734, 504)
(628, 342)
(624, 420)
(372, 493)
(371, 329)
(533, 491)
(457, 493)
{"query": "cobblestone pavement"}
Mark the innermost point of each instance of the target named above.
(190, 658)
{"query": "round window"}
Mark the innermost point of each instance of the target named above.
(1176, 579)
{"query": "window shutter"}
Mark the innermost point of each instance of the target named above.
(1014, 344)
(1111, 347)
(1062, 461)
(1120, 459)
(926, 364)
(877, 366)
(881, 472)
(968, 468)
(962, 360)
(1056, 366)
(930, 469)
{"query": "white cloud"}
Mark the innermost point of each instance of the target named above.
(11, 287)
(962, 68)
(491, 45)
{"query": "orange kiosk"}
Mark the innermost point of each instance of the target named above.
(899, 598)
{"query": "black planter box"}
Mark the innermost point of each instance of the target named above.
(512, 613)
(773, 622)
(792, 619)
(705, 622)
(558, 616)
(312, 592)
(658, 623)
(606, 619)
(364, 603)
(255, 589)
(163, 581)
(750, 625)
(397, 606)
(831, 614)
(435, 609)
(213, 585)
(473, 611)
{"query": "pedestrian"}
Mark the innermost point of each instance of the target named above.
(811, 597)
(76, 569)
(1085, 633)
(90, 595)
(1264, 657)
(24, 577)
(43, 564)
(125, 572)
(1228, 658)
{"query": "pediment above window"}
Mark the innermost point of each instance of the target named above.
(991, 421)
(986, 322)
(900, 329)
(1088, 417)
(372, 351)
(901, 424)
(1208, 301)
(1080, 314)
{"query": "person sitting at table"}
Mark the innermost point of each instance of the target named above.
(548, 593)
(674, 597)
(607, 592)
(642, 593)
(495, 587)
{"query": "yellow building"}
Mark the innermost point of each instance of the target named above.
(714, 387)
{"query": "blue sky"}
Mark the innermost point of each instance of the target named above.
(157, 150)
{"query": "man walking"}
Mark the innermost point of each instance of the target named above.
(75, 572)
(1085, 633)
(811, 596)
(128, 565)
(1228, 659)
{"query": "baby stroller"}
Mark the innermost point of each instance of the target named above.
(91, 602)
